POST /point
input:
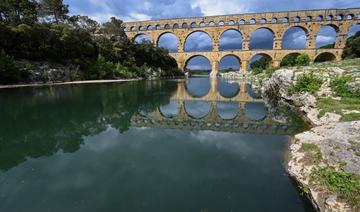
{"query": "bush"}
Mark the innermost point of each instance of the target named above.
(9, 73)
(289, 60)
(339, 85)
(303, 60)
(352, 48)
(270, 71)
(100, 69)
(307, 83)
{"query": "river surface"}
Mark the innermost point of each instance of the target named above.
(195, 145)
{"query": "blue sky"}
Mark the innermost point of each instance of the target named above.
(137, 10)
(129, 10)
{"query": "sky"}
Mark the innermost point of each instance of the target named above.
(140, 10)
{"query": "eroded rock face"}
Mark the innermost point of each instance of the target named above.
(335, 142)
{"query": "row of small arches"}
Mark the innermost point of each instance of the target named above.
(232, 39)
(242, 22)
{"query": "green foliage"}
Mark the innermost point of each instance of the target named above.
(289, 60)
(9, 73)
(114, 29)
(260, 65)
(269, 71)
(345, 184)
(339, 85)
(307, 83)
(54, 8)
(303, 60)
(15, 12)
(352, 48)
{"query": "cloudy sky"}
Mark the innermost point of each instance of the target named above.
(137, 10)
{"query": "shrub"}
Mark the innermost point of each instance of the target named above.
(289, 60)
(352, 48)
(100, 69)
(339, 85)
(9, 73)
(260, 65)
(307, 83)
(303, 60)
(269, 71)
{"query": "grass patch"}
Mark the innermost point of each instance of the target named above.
(355, 146)
(336, 106)
(346, 185)
(312, 153)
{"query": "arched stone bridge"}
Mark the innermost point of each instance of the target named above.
(278, 23)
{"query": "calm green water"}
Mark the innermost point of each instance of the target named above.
(144, 146)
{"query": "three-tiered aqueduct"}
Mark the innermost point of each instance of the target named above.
(311, 21)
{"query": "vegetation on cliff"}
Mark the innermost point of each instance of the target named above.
(42, 31)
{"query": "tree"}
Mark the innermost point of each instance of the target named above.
(83, 22)
(352, 49)
(55, 8)
(260, 65)
(114, 29)
(289, 60)
(17, 12)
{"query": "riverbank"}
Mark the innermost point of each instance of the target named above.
(67, 83)
(325, 160)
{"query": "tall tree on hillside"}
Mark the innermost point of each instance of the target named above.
(17, 12)
(114, 29)
(55, 9)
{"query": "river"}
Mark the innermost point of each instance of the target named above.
(195, 145)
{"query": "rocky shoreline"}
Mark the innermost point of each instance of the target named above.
(331, 146)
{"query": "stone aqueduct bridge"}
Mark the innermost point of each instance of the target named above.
(278, 23)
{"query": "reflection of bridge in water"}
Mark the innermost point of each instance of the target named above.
(241, 121)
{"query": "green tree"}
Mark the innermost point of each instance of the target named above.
(16, 12)
(289, 60)
(55, 9)
(114, 29)
(352, 49)
(259, 65)
(8, 71)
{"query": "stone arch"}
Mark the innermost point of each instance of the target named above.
(237, 58)
(256, 45)
(141, 28)
(168, 109)
(237, 41)
(193, 25)
(256, 111)
(211, 24)
(172, 44)
(242, 22)
(253, 21)
(189, 59)
(326, 36)
(132, 28)
(285, 20)
(329, 17)
(158, 27)
(149, 27)
(167, 26)
(320, 18)
(289, 59)
(144, 38)
(221, 23)
(198, 31)
(232, 110)
(355, 28)
(257, 56)
(297, 19)
(324, 56)
(202, 24)
(309, 18)
(176, 26)
(263, 21)
(340, 17)
(184, 25)
(274, 20)
(299, 31)
(228, 89)
(203, 109)
(350, 17)
(231, 23)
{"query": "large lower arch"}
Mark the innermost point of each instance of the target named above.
(228, 110)
(198, 64)
(260, 62)
(142, 38)
(229, 63)
(227, 88)
(290, 59)
(262, 38)
(326, 37)
(170, 110)
(295, 38)
(168, 41)
(256, 111)
(324, 57)
(231, 39)
(198, 41)
(198, 87)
